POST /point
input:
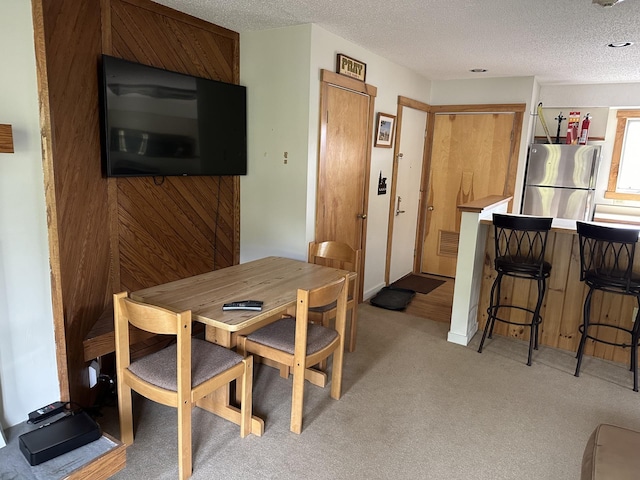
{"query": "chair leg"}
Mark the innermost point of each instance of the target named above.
(490, 318)
(241, 350)
(634, 355)
(125, 412)
(542, 289)
(322, 366)
(336, 373)
(531, 342)
(486, 329)
(184, 439)
(297, 397)
(585, 325)
(496, 304)
(353, 329)
(246, 404)
(285, 371)
(635, 338)
(535, 321)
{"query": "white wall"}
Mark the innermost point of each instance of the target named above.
(281, 69)
(28, 373)
(621, 95)
(274, 66)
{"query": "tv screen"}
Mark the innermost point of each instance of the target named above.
(158, 123)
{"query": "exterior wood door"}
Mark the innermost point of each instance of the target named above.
(470, 159)
(344, 158)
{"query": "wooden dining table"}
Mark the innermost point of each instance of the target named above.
(272, 280)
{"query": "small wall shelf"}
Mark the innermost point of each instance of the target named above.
(599, 118)
(543, 139)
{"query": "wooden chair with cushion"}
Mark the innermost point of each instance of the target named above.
(178, 375)
(299, 344)
(342, 256)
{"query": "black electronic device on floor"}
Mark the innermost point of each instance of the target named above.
(59, 437)
(393, 298)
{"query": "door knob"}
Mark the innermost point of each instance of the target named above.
(362, 216)
(430, 208)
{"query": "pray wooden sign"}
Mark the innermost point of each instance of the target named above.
(351, 67)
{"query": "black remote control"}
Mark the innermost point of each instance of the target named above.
(46, 411)
(243, 305)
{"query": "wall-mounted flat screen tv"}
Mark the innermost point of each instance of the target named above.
(158, 123)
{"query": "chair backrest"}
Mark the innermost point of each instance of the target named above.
(607, 254)
(322, 295)
(334, 254)
(306, 299)
(337, 255)
(521, 240)
(152, 319)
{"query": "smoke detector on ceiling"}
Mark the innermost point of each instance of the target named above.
(606, 3)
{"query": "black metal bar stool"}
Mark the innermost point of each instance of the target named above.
(606, 264)
(520, 244)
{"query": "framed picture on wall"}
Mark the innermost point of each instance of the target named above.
(385, 130)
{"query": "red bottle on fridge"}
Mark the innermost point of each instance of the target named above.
(584, 132)
(572, 128)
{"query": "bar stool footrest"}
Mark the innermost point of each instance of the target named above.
(601, 340)
(495, 309)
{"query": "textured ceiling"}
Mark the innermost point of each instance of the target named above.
(558, 41)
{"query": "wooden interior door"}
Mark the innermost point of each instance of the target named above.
(470, 159)
(344, 158)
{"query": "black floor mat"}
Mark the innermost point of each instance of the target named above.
(393, 298)
(418, 283)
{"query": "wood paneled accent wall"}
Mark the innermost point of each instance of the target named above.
(108, 235)
(562, 308)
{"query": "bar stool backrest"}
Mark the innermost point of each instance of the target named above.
(606, 256)
(521, 241)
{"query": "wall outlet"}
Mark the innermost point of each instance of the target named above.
(635, 313)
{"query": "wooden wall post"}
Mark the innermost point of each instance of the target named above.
(6, 139)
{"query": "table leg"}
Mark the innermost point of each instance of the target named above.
(218, 336)
(219, 401)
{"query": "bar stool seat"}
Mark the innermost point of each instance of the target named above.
(520, 266)
(520, 244)
(606, 264)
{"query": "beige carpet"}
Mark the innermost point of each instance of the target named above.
(413, 406)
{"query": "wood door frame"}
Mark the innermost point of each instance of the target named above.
(423, 107)
(517, 109)
(329, 78)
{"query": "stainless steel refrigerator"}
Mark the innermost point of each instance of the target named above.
(560, 181)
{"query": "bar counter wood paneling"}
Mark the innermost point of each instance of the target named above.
(562, 308)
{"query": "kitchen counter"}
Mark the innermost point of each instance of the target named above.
(565, 225)
(562, 308)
